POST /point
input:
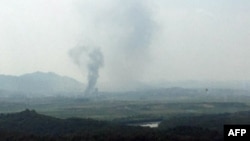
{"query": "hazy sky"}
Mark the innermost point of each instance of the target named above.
(141, 41)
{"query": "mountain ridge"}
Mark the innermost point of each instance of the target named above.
(40, 83)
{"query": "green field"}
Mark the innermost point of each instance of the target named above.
(120, 110)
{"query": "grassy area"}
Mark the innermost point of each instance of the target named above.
(115, 110)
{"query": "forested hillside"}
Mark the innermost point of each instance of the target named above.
(29, 125)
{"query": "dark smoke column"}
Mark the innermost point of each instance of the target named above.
(94, 64)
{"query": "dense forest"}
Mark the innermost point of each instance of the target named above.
(29, 125)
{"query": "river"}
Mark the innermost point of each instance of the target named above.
(153, 124)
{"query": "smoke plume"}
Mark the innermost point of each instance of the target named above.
(125, 30)
(95, 61)
(134, 30)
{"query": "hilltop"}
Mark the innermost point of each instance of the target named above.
(38, 84)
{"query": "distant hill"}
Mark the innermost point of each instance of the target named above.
(39, 83)
(178, 94)
(195, 84)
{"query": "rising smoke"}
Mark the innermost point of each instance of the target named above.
(125, 30)
(95, 61)
(135, 29)
(141, 25)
